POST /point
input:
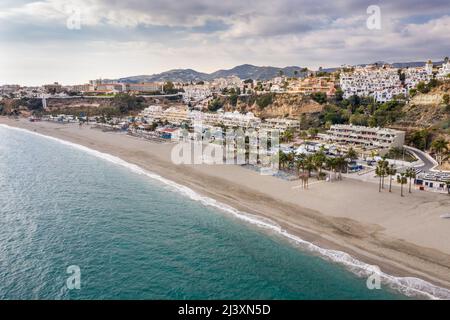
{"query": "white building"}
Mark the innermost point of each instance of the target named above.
(444, 71)
(413, 76)
(435, 182)
(370, 138)
(196, 93)
(281, 124)
(227, 83)
(153, 112)
(177, 116)
(381, 83)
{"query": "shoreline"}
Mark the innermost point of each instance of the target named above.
(366, 242)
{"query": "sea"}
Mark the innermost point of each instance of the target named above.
(79, 224)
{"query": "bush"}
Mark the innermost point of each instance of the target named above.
(446, 99)
(264, 100)
(126, 103)
(215, 105)
(319, 97)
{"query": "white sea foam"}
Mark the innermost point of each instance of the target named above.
(409, 286)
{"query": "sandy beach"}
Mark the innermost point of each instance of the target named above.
(405, 237)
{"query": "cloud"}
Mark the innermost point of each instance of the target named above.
(209, 35)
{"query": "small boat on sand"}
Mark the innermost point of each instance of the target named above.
(445, 216)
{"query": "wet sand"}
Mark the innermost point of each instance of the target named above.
(405, 237)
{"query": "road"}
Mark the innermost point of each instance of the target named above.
(429, 163)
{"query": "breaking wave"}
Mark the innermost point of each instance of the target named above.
(409, 286)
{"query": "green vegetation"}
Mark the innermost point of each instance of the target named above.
(264, 100)
(32, 104)
(446, 99)
(423, 87)
(440, 147)
(360, 111)
(420, 139)
(169, 88)
(391, 171)
(215, 104)
(381, 171)
(287, 136)
(411, 175)
(319, 97)
(400, 154)
(304, 165)
(402, 179)
(126, 103)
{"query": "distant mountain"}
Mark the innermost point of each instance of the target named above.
(245, 71)
(176, 75)
(414, 64)
(248, 71)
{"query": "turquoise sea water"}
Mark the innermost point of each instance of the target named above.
(135, 238)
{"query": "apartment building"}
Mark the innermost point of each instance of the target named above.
(381, 83)
(53, 88)
(413, 76)
(196, 93)
(144, 87)
(153, 112)
(312, 85)
(108, 88)
(227, 83)
(176, 116)
(366, 137)
(9, 88)
(280, 124)
(81, 88)
(444, 71)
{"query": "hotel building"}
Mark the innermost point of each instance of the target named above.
(280, 124)
(365, 137)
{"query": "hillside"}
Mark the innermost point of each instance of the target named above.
(245, 71)
(427, 110)
(271, 105)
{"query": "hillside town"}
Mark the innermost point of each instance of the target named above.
(358, 109)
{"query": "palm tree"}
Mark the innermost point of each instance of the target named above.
(310, 164)
(351, 154)
(287, 136)
(402, 180)
(318, 159)
(282, 158)
(341, 164)
(391, 171)
(300, 163)
(303, 134)
(439, 145)
(381, 172)
(411, 174)
(305, 164)
(290, 159)
(332, 164)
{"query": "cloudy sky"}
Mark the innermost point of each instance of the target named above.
(74, 41)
